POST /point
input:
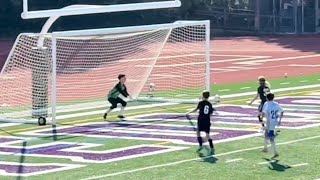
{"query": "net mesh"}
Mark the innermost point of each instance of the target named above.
(168, 64)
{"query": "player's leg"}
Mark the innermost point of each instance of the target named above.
(260, 117)
(273, 144)
(113, 103)
(266, 142)
(199, 138)
(123, 105)
(210, 141)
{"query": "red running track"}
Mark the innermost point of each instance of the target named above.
(293, 48)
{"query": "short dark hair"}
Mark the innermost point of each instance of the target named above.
(121, 76)
(262, 80)
(206, 94)
(270, 97)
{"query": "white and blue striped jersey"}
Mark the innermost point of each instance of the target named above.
(272, 112)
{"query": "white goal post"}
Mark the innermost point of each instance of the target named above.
(72, 75)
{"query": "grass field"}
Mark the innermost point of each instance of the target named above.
(157, 142)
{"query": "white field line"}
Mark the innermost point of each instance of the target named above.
(248, 69)
(223, 90)
(234, 160)
(243, 57)
(60, 117)
(303, 81)
(275, 91)
(304, 65)
(199, 63)
(301, 164)
(284, 83)
(8, 124)
(279, 59)
(85, 106)
(194, 159)
(245, 88)
(261, 163)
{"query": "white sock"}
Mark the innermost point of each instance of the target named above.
(273, 147)
(266, 142)
(121, 111)
(109, 110)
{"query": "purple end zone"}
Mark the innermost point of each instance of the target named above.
(222, 134)
(93, 130)
(21, 169)
(60, 150)
(5, 140)
(103, 156)
(291, 101)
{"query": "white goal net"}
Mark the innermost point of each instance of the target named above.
(76, 69)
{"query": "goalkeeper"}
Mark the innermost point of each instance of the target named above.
(114, 97)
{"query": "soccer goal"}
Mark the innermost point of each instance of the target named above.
(74, 70)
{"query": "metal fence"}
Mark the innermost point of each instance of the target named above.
(265, 16)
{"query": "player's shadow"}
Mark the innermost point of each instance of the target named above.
(55, 137)
(274, 165)
(22, 159)
(7, 132)
(207, 157)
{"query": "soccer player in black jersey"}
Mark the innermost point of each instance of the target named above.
(205, 111)
(262, 92)
(114, 99)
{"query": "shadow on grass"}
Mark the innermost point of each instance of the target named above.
(276, 166)
(22, 160)
(208, 158)
(7, 132)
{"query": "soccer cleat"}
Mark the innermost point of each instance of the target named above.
(211, 151)
(261, 130)
(105, 116)
(275, 156)
(121, 117)
(199, 149)
(264, 150)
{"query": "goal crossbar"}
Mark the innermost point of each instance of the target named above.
(128, 29)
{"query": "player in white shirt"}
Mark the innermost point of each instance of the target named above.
(273, 113)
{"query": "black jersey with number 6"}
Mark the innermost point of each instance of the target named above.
(205, 110)
(263, 90)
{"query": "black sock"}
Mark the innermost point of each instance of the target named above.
(210, 143)
(200, 141)
(260, 120)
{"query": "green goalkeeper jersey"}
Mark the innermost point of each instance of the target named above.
(117, 90)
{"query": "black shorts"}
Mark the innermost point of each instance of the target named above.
(260, 108)
(204, 125)
(270, 134)
(115, 101)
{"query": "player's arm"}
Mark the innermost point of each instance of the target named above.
(255, 98)
(264, 112)
(213, 111)
(122, 92)
(281, 115)
(126, 92)
(192, 111)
